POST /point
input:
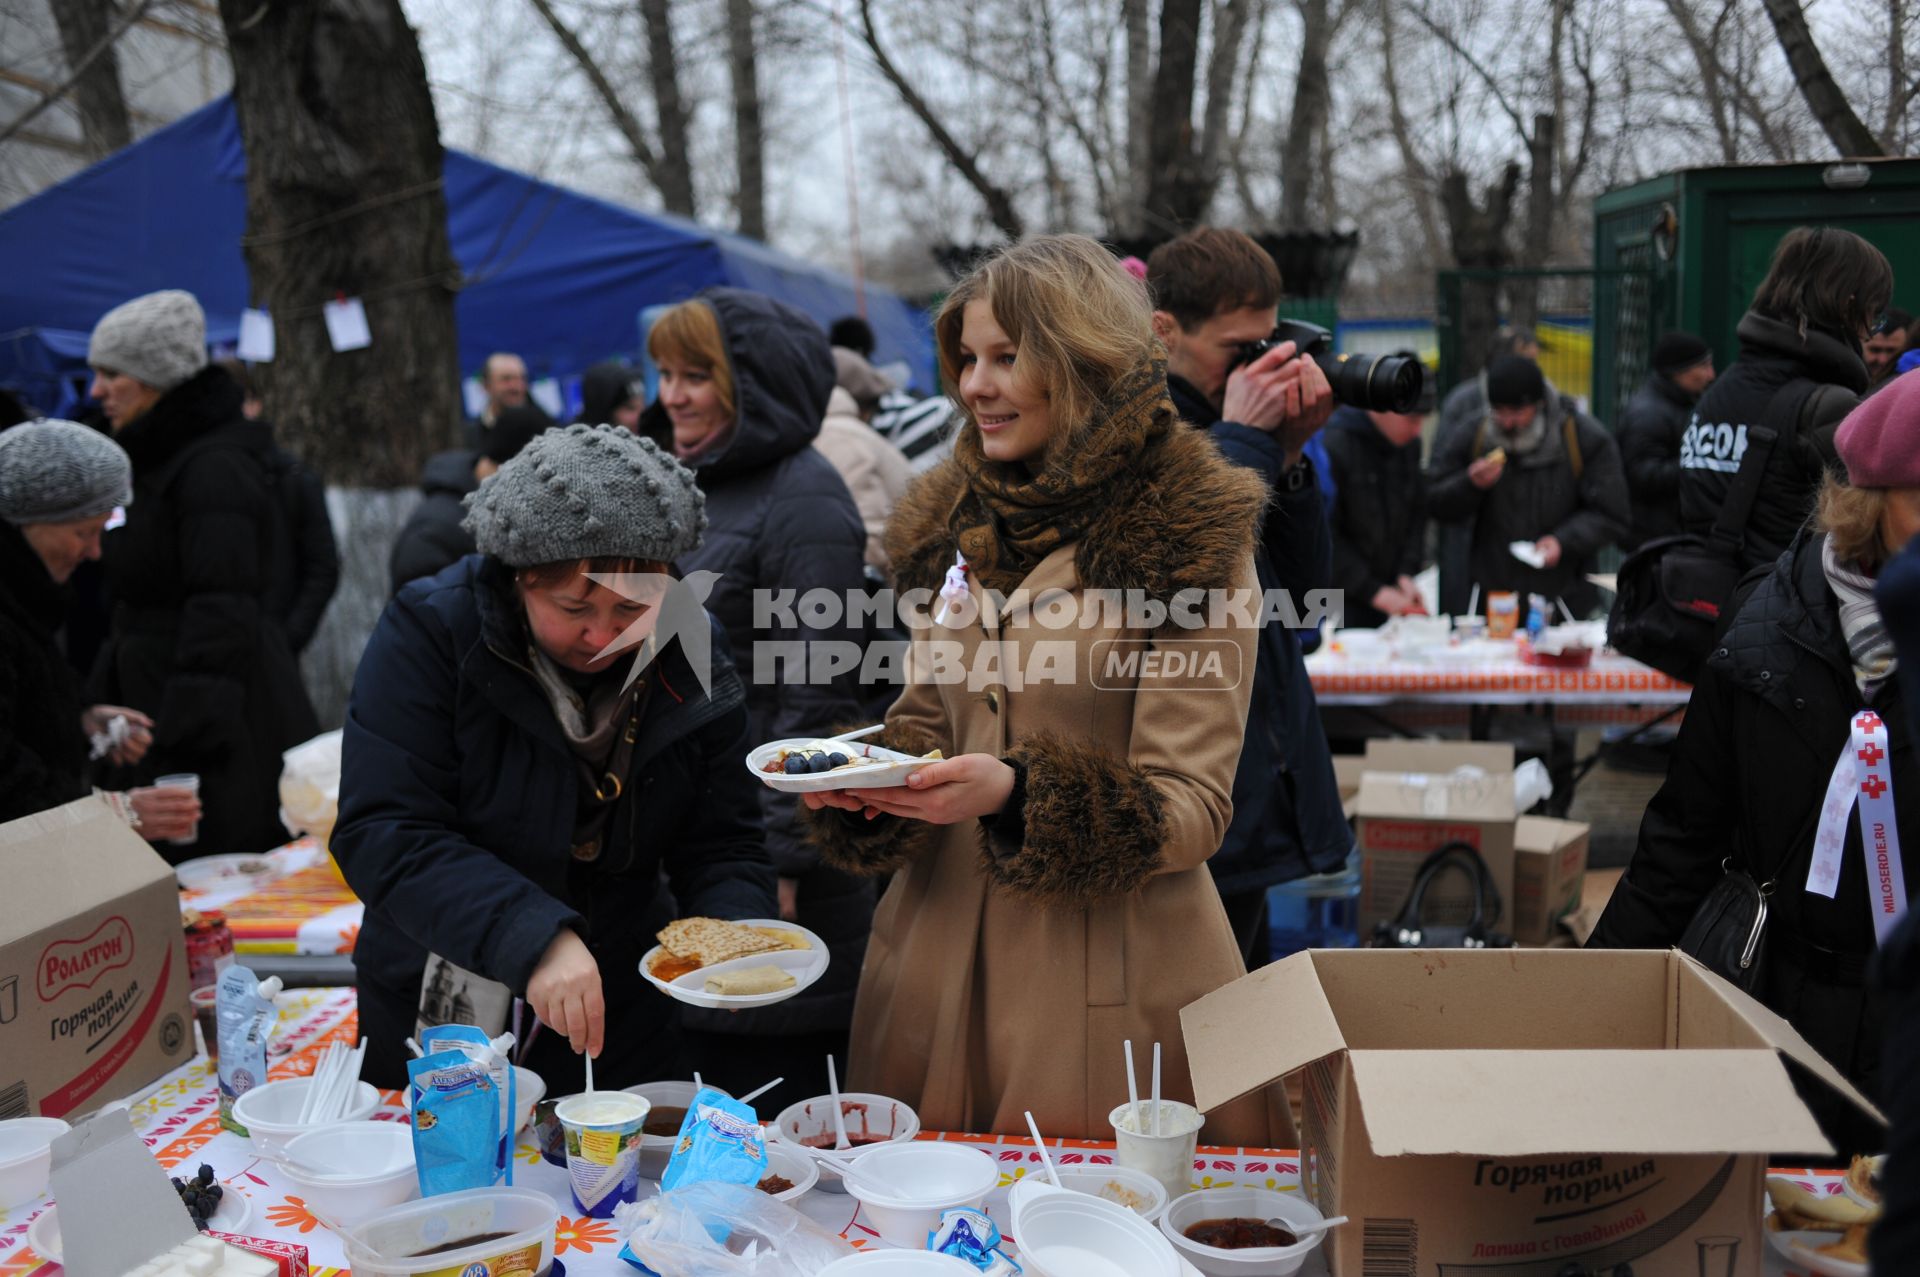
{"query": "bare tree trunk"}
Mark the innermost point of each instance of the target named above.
(1312, 99)
(1899, 92)
(999, 203)
(748, 136)
(1177, 192)
(1137, 15)
(86, 37)
(1479, 233)
(344, 195)
(663, 68)
(1223, 66)
(1417, 178)
(1829, 105)
(623, 119)
(1707, 59)
(1540, 211)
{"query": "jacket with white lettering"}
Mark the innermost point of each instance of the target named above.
(1769, 717)
(1772, 354)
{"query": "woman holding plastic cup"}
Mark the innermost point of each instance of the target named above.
(528, 766)
(59, 485)
(1050, 896)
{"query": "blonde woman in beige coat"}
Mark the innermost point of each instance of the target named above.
(1050, 897)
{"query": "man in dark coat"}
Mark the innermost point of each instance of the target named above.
(194, 643)
(1799, 372)
(781, 523)
(1380, 520)
(1651, 427)
(612, 393)
(1214, 290)
(489, 813)
(504, 379)
(1540, 472)
(432, 536)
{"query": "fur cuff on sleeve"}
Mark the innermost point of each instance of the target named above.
(851, 842)
(1094, 827)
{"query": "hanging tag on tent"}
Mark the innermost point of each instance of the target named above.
(256, 337)
(347, 324)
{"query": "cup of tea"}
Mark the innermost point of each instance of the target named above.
(191, 783)
(1166, 1155)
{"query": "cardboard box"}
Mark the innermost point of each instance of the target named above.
(1347, 770)
(1549, 869)
(1519, 1112)
(93, 967)
(1416, 795)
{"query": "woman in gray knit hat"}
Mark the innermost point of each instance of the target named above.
(60, 484)
(535, 737)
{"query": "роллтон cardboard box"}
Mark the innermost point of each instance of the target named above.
(1519, 1113)
(93, 974)
(1416, 796)
(1549, 867)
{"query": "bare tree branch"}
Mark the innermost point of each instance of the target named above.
(748, 135)
(1418, 179)
(670, 110)
(1487, 77)
(78, 69)
(623, 119)
(1223, 65)
(1829, 105)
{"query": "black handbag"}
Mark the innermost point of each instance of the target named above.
(1409, 929)
(1728, 932)
(1671, 592)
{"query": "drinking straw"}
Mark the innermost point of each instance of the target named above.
(1133, 1088)
(1473, 600)
(1046, 1158)
(589, 1059)
(840, 1139)
(698, 1084)
(1566, 611)
(1156, 1089)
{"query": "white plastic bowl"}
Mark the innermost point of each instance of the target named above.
(655, 1150)
(924, 1178)
(1085, 1177)
(789, 1162)
(1069, 1234)
(864, 1113)
(271, 1112)
(391, 1243)
(898, 1263)
(26, 1158)
(369, 1167)
(1241, 1203)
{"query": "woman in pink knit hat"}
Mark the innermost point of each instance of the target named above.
(1794, 768)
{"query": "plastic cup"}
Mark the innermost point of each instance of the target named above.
(603, 1132)
(191, 783)
(1168, 1157)
(206, 1015)
(1503, 614)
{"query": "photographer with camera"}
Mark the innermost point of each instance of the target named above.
(1214, 293)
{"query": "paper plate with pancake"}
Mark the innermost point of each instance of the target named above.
(1823, 1232)
(756, 962)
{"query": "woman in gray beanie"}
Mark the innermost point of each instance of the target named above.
(195, 642)
(59, 486)
(535, 737)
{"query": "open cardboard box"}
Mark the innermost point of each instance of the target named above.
(1549, 869)
(1519, 1112)
(1416, 795)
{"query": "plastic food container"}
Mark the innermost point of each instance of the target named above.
(427, 1236)
(924, 1178)
(26, 1158)
(865, 1114)
(271, 1112)
(656, 1149)
(369, 1167)
(1241, 1203)
(1136, 1190)
(1068, 1234)
(790, 1163)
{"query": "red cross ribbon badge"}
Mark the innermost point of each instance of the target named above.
(1862, 780)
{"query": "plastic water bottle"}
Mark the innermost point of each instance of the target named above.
(1317, 912)
(1536, 616)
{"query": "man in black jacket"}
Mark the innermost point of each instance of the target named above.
(1650, 429)
(1213, 291)
(1380, 520)
(1799, 372)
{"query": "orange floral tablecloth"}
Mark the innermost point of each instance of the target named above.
(1341, 678)
(180, 1120)
(304, 908)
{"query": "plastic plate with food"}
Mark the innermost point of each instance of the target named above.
(1825, 1233)
(756, 962)
(811, 764)
(235, 870)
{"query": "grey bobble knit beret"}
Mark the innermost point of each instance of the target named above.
(54, 471)
(584, 492)
(160, 339)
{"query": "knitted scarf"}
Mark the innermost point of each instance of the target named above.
(1868, 642)
(1007, 518)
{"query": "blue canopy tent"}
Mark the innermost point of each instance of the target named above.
(557, 277)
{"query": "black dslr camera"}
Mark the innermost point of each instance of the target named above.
(1382, 383)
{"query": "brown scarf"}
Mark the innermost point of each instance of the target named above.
(1007, 519)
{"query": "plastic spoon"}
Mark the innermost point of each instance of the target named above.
(759, 1091)
(588, 1056)
(847, 1170)
(860, 732)
(1304, 1231)
(1046, 1158)
(840, 1139)
(1133, 1088)
(1156, 1090)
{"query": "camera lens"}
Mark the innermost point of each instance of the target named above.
(1384, 383)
